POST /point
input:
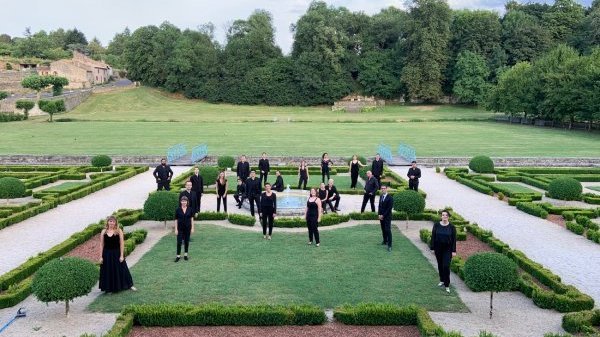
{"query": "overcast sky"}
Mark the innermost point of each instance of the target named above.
(104, 18)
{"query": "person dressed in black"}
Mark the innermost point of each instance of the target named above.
(243, 168)
(221, 192)
(443, 244)
(377, 168)
(355, 166)
(240, 193)
(323, 196)
(163, 174)
(114, 274)
(325, 166)
(332, 196)
(184, 228)
(264, 168)
(371, 187)
(414, 173)
(312, 214)
(253, 191)
(190, 195)
(278, 185)
(302, 174)
(386, 204)
(197, 187)
(268, 210)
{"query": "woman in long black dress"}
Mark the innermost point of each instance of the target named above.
(302, 174)
(312, 214)
(443, 244)
(268, 210)
(114, 274)
(221, 192)
(355, 166)
(185, 227)
(325, 165)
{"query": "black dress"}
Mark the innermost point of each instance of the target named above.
(354, 168)
(303, 177)
(221, 195)
(114, 275)
(312, 220)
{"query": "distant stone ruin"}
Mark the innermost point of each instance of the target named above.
(357, 103)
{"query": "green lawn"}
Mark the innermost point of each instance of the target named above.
(65, 186)
(515, 188)
(595, 188)
(237, 267)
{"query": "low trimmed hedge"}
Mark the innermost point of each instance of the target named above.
(582, 322)
(475, 185)
(207, 216)
(326, 220)
(166, 315)
(575, 228)
(533, 209)
(242, 220)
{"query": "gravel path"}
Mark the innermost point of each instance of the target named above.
(42, 232)
(50, 320)
(574, 258)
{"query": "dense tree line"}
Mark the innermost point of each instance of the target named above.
(424, 53)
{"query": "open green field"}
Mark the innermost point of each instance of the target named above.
(229, 266)
(120, 124)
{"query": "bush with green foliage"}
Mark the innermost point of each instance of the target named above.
(533, 209)
(11, 187)
(25, 105)
(241, 219)
(209, 174)
(64, 279)
(52, 107)
(161, 206)
(565, 188)
(101, 161)
(482, 164)
(586, 322)
(3, 95)
(409, 202)
(491, 272)
(225, 162)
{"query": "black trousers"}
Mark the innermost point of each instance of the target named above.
(183, 235)
(330, 203)
(323, 174)
(254, 199)
(302, 180)
(368, 197)
(353, 179)
(444, 257)
(239, 198)
(198, 200)
(267, 221)
(166, 184)
(224, 197)
(413, 184)
(386, 231)
(378, 180)
(263, 178)
(313, 230)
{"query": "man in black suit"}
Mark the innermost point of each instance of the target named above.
(240, 193)
(197, 187)
(163, 174)
(243, 168)
(190, 195)
(278, 185)
(332, 196)
(253, 190)
(414, 173)
(264, 168)
(386, 204)
(377, 168)
(371, 187)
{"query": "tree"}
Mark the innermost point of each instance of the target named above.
(470, 78)
(96, 49)
(3, 95)
(379, 74)
(37, 83)
(562, 19)
(587, 35)
(409, 202)
(516, 92)
(11, 187)
(25, 105)
(426, 49)
(138, 55)
(52, 107)
(64, 279)
(5, 38)
(523, 38)
(58, 83)
(74, 37)
(116, 48)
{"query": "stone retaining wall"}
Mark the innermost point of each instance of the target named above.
(275, 161)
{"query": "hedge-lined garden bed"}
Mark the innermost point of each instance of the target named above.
(15, 285)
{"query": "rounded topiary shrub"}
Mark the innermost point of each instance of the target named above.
(565, 188)
(409, 201)
(209, 174)
(161, 206)
(101, 161)
(482, 164)
(491, 272)
(11, 188)
(225, 161)
(64, 279)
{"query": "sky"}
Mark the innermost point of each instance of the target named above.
(102, 19)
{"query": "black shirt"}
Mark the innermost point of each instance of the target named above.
(332, 191)
(163, 172)
(241, 189)
(263, 165)
(243, 170)
(414, 172)
(325, 165)
(221, 187)
(184, 220)
(197, 183)
(253, 188)
(268, 202)
(371, 185)
(322, 194)
(377, 167)
(278, 185)
(443, 237)
(303, 171)
(192, 200)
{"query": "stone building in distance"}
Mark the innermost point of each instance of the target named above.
(81, 71)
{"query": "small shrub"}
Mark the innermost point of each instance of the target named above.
(209, 174)
(12, 188)
(25, 105)
(52, 107)
(568, 215)
(575, 228)
(583, 220)
(64, 279)
(438, 169)
(482, 164)
(582, 322)
(565, 188)
(533, 209)
(161, 206)
(500, 196)
(101, 161)
(409, 202)
(491, 272)
(241, 219)
(225, 161)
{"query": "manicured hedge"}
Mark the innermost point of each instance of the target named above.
(477, 186)
(533, 209)
(204, 216)
(166, 315)
(575, 228)
(482, 164)
(582, 322)
(242, 220)
(101, 161)
(326, 220)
